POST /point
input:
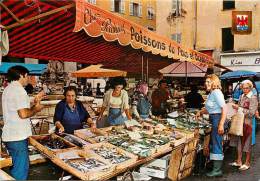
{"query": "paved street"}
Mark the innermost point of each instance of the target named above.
(233, 174)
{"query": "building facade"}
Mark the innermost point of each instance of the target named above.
(206, 26)
(142, 12)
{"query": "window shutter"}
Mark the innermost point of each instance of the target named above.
(174, 5)
(140, 9)
(112, 5)
(122, 6)
(179, 7)
(148, 9)
(131, 8)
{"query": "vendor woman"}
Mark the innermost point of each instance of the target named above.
(70, 114)
(116, 102)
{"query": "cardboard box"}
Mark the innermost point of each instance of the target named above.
(154, 172)
(157, 168)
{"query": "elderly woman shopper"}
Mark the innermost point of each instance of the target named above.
(141, 107)
(70, 114)
(116, 102)
(216, 108)
(248, 104)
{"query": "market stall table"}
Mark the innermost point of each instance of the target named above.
(114, 170)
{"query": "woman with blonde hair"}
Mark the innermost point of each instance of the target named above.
(216, 108)
(248, 104)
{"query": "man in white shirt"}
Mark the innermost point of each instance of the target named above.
(16, 114)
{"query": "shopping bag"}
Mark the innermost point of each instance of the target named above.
(237, 122)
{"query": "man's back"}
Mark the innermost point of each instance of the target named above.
(14, 98)
(194, 100)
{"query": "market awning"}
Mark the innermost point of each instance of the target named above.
(44, 30)
(96, 22)
(238, 74)
(97, 71)
(184, 69)
(34, 69)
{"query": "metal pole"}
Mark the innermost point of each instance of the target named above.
(186, 73)
(147, 69)
(142, 67)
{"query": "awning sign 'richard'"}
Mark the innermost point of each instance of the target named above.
(96, 22)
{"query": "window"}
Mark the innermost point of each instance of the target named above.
(176, 37)
(92, 1)
(150, 13)
(118, 6)
(176, 8)
(135, 8)
(228, 4)
(227, 40)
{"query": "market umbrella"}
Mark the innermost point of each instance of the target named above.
(184, 69)
(34, 69)
(238, 74)
(97, 71)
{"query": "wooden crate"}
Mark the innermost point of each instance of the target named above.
(122, 165)
(5, 176)
(164, 147)
(34, 159)
(82, 133)
(188, 134)
(34, 141)
(91, 174)
(5, 162)
(182, 160)
(107, 130)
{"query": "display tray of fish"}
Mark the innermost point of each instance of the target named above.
(188, 122)
(89, 134)
(86, 165)
(145, 146)
(50, 143)
(54, 143)
(114, 130)
(110, 154)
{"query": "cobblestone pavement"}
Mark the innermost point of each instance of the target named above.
(233, 174)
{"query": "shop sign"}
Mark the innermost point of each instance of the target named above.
(242, 22)
(240, 60)
(97, 22)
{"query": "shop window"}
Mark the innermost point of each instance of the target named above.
(176, 37)
(227, 40)
(228, 4)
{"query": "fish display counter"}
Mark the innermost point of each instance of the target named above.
(112, 150)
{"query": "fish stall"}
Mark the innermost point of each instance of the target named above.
(101, 154)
